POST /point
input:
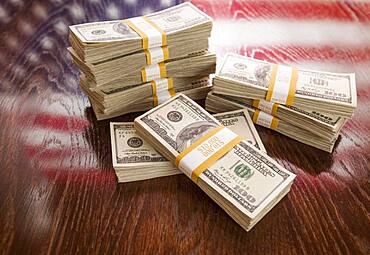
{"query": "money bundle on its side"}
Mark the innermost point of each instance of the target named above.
(135, 64)
(240, 178)
(309, 106)
(110, 105)
(183, 24)
(220, 103)
(134, 159)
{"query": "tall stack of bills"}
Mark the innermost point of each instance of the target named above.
(308, 106)
(134, 159)
(135, 64)
(240, 178)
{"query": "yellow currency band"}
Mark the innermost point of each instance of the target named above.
(208, 162)
(148, 57)
(143, 36)
(274, 123)
(154, 93)
(162, 69)
(166, 55)
(164, 36)
(143, 75)
(171, 90)
(255, 116)
(162, 72)
(292, 85)
(166, 52)
(272, 82)
(256, 104)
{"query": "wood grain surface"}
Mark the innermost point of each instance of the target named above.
(58, 191)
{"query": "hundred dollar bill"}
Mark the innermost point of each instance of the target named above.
(99, 41)
(109, 70)
(134, 159)
(198, 64)
(220, 103)
(321, 124)
(196, 91)
(171, 20)
(108, 98)
(333, 93)
(245, 182)
(240, 123)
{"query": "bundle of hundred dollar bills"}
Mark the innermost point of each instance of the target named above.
(135, 64)
(134, 159)
(230, 169)
(308, 106)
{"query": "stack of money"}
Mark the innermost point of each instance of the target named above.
(108, 102)
(220, 103)
(308, 106)
(135, 64)
(134, 159)
(99, 41)
(240, 178)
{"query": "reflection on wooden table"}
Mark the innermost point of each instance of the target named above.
(58, 192)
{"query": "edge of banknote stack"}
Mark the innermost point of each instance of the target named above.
(308, 106)
(135, 64)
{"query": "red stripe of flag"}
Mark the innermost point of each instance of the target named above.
(339, 11)
(77, 174)
(50, 153)
(61, 122)
(294, 53)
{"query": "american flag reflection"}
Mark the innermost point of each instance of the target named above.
(323, 35)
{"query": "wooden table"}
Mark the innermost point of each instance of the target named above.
(58, 191)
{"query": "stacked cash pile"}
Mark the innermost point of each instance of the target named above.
(240, 178)
(135, 64)
(308, 106)
(134, 159)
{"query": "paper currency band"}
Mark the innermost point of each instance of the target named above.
(156, 55)
(162, 90)
(153, 72)
(205, 151)
(282, 85)
(266, 106)
(151, 34)
(265, 120)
